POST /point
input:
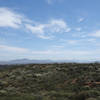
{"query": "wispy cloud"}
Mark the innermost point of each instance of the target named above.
(52, 1)
(49, 1)
(57, 46)
(46, 31)
(96, 34)
(60, 54)
(13, 49)
(81, 35)
(38, 31)
(46, 52)
(91, 40)
(78, 29)
(72, 42)
(9, 18)
(81, 19)
(78, 42)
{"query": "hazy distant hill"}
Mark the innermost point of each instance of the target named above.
(28, 61)
(25, 61)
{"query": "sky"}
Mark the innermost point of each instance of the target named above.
(50, 29)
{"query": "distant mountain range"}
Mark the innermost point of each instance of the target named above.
(25, 61)
(28, 61)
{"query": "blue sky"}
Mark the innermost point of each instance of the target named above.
(50, 29)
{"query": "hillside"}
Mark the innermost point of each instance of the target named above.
(69, 81)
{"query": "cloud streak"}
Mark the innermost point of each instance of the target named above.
(96, 34)
(51, 1)
(13, 49)
(78, 29)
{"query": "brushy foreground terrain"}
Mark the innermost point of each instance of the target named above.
(69, 81)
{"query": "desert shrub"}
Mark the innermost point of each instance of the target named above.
(24, 97)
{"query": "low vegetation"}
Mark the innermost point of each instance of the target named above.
(69, 81)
